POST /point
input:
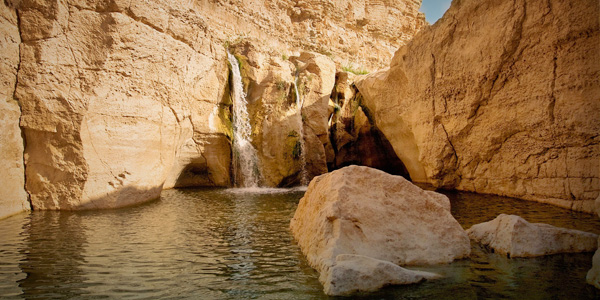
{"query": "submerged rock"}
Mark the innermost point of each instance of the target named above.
(593, 275)
(364, 211)
(358, 273)
(515, 237)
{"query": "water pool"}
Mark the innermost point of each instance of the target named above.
(223, 244)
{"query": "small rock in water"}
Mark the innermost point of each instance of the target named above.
(357, 273)
(515, 237)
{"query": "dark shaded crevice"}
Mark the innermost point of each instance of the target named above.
(366, 145)
(552, 90)
(449, 142)
(23, 136)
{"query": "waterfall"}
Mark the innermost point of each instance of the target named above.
(245, 163)
(299, 104)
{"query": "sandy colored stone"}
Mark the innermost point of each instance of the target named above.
(279, 125)
(13, 198)
(364, 211)
(498, 97)
(513, 236)
(316, 79)
(357, 273)
(111, 99)
(355, 138)
(359, 33)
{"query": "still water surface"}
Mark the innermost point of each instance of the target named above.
(222, 244)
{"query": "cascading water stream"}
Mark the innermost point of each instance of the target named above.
(299, 104)
(245, 162)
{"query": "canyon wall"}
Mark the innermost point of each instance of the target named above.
(351, 32)
(13, 198)
(122, 98)
(290, 129)
(499, 97)
(119, 100)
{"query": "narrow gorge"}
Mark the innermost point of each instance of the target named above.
(109, 104)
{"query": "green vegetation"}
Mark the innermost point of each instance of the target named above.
(284, 56)
(293, 133)
(281, 84)
(240, 38)
(297, 151)
(336, 108)
(325, 51)
(355, 70)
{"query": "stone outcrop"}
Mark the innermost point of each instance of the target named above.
(121, 99)
(352, 32)
(355, 138)
(357, 273)
(593, 275)
(117, 97)
(364, 211)
(498, 97)
(283, 126)
(513, 236)
(13, 198)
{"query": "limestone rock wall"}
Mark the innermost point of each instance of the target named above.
(118, 99)
(499, 97)
(361, 33)
(280, 122)
(13, 198)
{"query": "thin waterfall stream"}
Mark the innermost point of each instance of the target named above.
(246, 170)
(299, 104)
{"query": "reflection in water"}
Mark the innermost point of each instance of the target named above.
(54, 253)
(223, 244)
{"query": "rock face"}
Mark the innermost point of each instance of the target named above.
(289, 134)
(121, 99)
(593, 275)
(515, 237)
(498, 97)
(13, 198)
(355, 138)
(116, 99)
(357, 273)
(364, 211)
(364, 33)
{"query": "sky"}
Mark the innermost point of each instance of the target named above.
(434, 9)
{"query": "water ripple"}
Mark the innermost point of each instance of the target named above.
(232, 244)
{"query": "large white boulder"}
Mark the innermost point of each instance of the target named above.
(515, 237)
(364, 211)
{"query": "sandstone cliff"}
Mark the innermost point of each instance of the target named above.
(120, 99)
(499, 97)
(13, 198)
(116, 101)
(360, 33)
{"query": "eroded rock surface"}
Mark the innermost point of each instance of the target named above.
(289, 128)
(364, 211)
(357, 273)
(13, 198)
(499, 97)
(116, 98)
(513, 236)
(354, 33)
